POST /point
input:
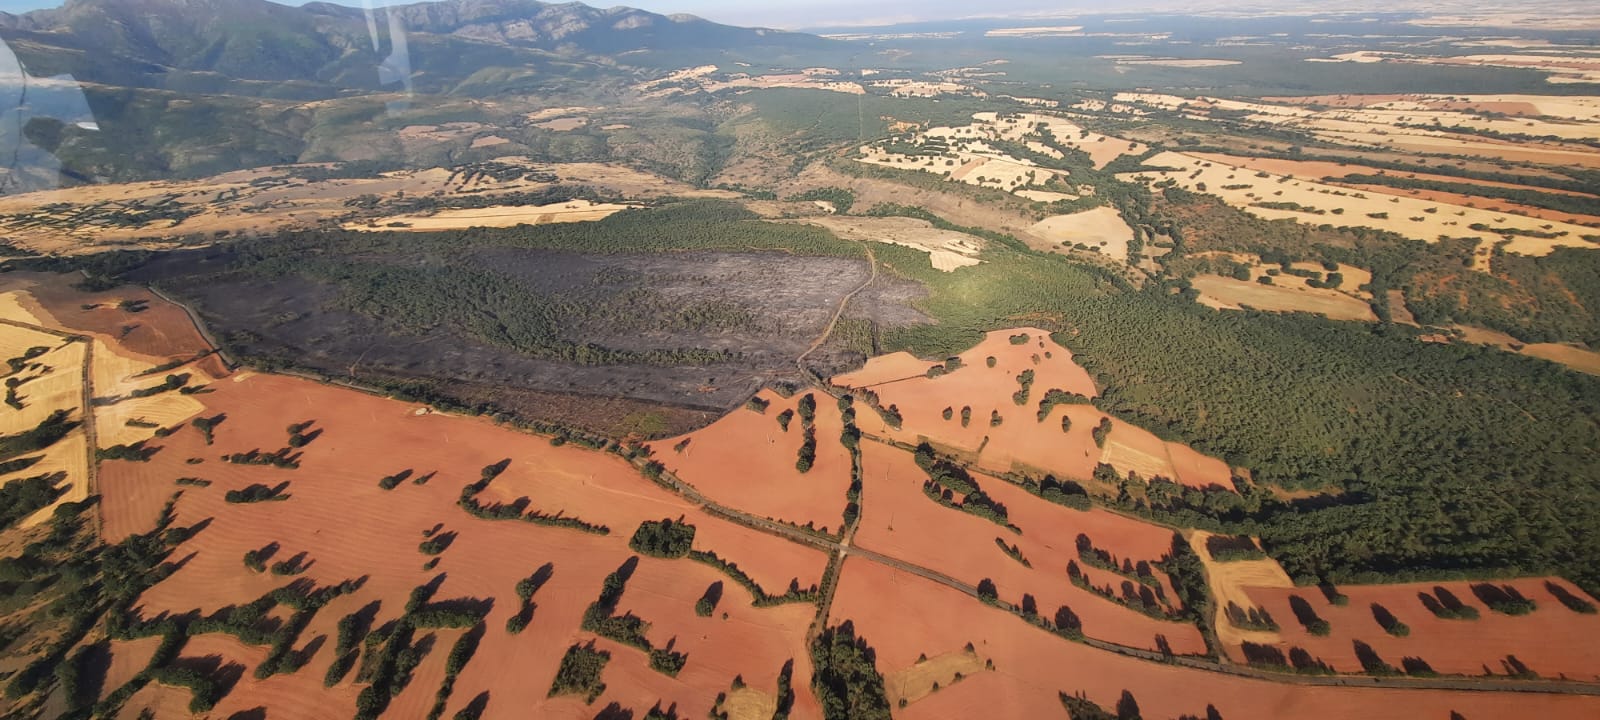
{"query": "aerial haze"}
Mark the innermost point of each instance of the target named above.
(495, 359)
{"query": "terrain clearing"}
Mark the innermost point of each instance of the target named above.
(1230, 582)
(1023, 441)
(1230, 294)
(496, 216)
(50, 382)
(1318, 203)
(1577, 358)
(898, 520)
(968, 154)
(1100, 229)
(168, 214)
(947, 249)
(747, 460)
(922, 679)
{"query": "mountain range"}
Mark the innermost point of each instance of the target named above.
(255, 47)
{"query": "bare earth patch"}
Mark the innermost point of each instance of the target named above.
(1101, 228)
(1231, 294)
(947, 249)
(920, 680)
(497, 216)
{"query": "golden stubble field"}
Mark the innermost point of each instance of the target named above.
(1284, 197)
(166, 214)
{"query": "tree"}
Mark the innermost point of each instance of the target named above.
(987, 592)
(1127, 707)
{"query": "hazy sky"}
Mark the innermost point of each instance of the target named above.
(787, 14)
(842, 12)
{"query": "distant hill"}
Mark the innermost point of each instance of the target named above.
(255, 47)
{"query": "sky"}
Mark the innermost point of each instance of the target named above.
(817, 13)
(765, 13)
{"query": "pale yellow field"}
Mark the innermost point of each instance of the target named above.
(1026, 32)
(916, 682)
(1101, 227)
(498, 216)
(947, 249)
(1422, 219)
(1045, 195)
(1354, 277)
(1577, 358)
(564, 124)
(11, 308)
(1168, 62)
(71, 456)
(167, 409)
(549, 113)
(1230, 294)
(115, 373)
(748, 703)
(58, 388)
(1417, 123)
(1228, 581)
(279, 201)
(971, 157)
(919, 88)
(1126, 457)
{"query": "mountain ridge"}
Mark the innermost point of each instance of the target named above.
(166, 43)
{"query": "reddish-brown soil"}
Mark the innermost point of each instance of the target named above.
(128, 657)
(1552, 640)
(902, 616)
(159, 332)
(1022, 442)
(898, 520)
(747, 460)
(366, 438)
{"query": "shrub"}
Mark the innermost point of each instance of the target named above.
(663, 538)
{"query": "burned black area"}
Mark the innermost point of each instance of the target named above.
(760, 310)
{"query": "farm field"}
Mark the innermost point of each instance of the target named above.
(975, 393)
(901, 522)
(500, 216)
(1027, 676)
(947, 249)
(557, 482)
(1231, 294)
(748, 460)
(1317, 203)
(554, 361)
(1548, 641)
(169, 214)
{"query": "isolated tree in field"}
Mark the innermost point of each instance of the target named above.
(1068, 623)
(1389, 622)
(987, 592)
(707, 603)
(1127, 707)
